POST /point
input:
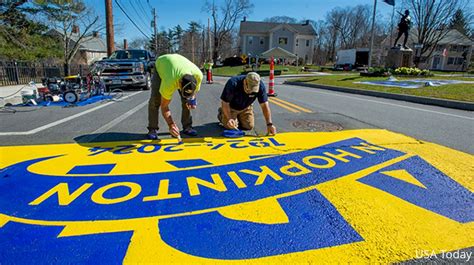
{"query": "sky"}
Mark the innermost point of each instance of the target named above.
(173, 12)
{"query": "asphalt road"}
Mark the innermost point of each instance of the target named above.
(415, 209)
(294, 109)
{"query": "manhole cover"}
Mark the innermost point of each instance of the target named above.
(316, 126)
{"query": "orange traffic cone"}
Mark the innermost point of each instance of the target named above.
(271, 84)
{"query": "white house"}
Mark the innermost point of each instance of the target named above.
(260, 37)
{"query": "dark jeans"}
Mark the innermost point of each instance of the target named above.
(155, 102)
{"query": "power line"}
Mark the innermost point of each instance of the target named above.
(140, 16)
(143, 9)
(133, 22)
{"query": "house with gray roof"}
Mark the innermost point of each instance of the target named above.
(92, 47)
(259, 38)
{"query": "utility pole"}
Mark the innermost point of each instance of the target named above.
(154, 30)
(371, 49)
(209, 37)
(109, 23)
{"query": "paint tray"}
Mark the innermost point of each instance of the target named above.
(233, 133)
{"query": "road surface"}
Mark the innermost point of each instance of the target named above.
(349, 178)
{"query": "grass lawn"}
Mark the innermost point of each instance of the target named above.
(236, 70)
(462, 92)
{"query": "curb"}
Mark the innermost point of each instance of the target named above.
(454, 104)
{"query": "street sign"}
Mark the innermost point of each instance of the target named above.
(418, 45)
(351, 196)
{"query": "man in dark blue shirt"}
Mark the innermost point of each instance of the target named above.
(237, 97)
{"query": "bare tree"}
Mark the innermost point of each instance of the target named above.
(281, 19)
(320, 45)
(334, 20)
(73, 20)
(224, 19)
(138, 43)
(431, 21)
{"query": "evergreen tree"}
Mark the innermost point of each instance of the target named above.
(164, 43)
(177, 38)
(460, 23)
(22, 38)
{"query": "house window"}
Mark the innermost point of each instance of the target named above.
(283, 41)
(250, 40)
(297, 42)
(261, 41)
(459, 61)
(307, 43)
(439, 48)
(451, 60)
(453, 48)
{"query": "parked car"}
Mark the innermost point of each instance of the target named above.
(128, 68)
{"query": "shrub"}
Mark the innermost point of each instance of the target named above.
(376, 72)
(412, 71)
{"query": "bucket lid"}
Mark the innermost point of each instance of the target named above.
(27, 92)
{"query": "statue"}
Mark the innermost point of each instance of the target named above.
(404, 28)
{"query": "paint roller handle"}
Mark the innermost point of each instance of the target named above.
(232, 124)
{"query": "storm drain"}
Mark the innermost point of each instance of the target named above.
(316, 126)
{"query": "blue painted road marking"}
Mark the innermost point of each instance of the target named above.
(188, 163)
(92, 169)
(313, 223)
(442, 194)
(261, 179)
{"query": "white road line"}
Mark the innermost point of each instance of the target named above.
(47, 126)
(397, 105)
(116, 121)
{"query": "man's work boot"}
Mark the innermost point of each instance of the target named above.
(152, 134)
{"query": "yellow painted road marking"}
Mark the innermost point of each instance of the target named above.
(293, 105)
(284, 106)
(393, 228)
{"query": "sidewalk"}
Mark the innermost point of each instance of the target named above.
(12, 94)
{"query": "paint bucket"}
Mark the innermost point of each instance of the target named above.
(27, 95)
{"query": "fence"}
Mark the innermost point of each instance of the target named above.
(19, 73)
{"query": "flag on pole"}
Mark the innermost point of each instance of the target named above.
(445, 52)
(390, 2)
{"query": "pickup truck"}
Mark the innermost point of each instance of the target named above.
(127, 68)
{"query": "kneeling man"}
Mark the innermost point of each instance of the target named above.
(237, 98)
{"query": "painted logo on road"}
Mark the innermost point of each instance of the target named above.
(270, 198)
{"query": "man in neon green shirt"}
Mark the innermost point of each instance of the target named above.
(173, 73)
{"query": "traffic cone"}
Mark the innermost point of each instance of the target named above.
(271, 84)
(209, 78)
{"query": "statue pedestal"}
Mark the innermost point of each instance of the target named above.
(399, 57)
